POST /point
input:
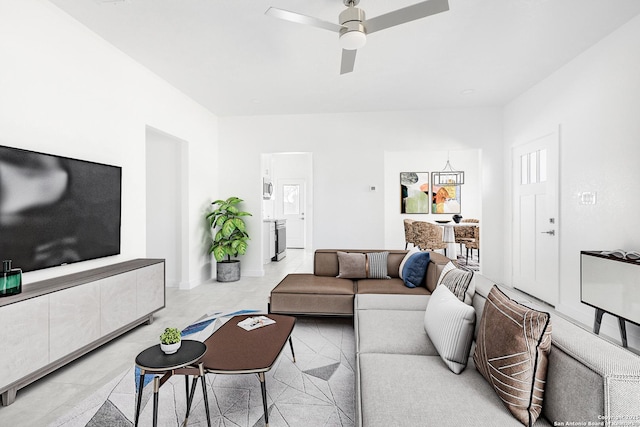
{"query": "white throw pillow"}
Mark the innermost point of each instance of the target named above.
(450, 324)
(412, 251)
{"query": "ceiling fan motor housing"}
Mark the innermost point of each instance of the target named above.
(353, 35)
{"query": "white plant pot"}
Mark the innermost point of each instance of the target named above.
(170, 348)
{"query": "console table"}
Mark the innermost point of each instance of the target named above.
(55, 321)
(611, 285)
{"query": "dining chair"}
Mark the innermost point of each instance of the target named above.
(409, 234)
(464, 233)
(474, 244)
(428, 236)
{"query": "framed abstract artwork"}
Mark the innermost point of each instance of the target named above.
(414, 192)
(445, 199)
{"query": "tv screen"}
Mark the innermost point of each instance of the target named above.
(56, 210)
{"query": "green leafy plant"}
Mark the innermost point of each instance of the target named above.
(229, 229)
(170, 336)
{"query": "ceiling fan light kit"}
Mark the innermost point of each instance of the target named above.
(353, 34)
(354, 26)
(353, 40)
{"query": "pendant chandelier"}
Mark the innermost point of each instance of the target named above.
(448, 176)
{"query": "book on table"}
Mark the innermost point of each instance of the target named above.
(619, 253)
(251, 323)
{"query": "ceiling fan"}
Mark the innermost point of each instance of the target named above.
(353, 27)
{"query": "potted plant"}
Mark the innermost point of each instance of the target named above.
(229, 237)
(170, 340)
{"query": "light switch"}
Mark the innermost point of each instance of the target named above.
(587, 198)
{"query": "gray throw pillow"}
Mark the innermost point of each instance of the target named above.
(352, 265)
(450, 324)
(356, 265)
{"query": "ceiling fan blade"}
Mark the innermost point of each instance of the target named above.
(406, 14)
(348, 61)
(302, 19)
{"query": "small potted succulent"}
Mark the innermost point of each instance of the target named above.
(170, 340)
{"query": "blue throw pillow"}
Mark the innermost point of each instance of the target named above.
(415, 269)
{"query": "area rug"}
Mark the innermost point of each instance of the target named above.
(472, 263)
(317, 390)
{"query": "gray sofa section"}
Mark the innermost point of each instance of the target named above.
(402, 381)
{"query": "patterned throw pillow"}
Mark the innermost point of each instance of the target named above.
(447, 268)
(377, 265)
(512, 350)
(459, 282)
(450, 324)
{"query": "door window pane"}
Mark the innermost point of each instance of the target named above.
(291, 199)
(543, 164)
(524, 169)
(533, 167)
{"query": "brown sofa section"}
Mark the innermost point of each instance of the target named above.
(311, 294)
(324, 294)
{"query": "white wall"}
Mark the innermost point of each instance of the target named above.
(596, 101)
(65, 91)
(164, 177)
(349, 156)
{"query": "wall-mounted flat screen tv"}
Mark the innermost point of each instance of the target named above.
(56, 210)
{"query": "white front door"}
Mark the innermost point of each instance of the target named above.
(535, 217)
(292, 202)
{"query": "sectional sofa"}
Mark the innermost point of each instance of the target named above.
(323, 293)
(404, 380)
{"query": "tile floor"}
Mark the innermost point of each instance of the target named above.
(52, 396)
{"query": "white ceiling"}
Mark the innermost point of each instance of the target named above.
(234, 60)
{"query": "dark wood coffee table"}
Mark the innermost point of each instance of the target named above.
(232, 350)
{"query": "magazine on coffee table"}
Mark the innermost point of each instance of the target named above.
(619, 253)
(251, 323)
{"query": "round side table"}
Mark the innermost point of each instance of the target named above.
(154, 361)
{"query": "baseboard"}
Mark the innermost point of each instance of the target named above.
(187, 285)
(252, 273)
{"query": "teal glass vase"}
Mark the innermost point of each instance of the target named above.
(10, 279)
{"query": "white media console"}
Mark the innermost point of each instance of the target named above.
(55, 321)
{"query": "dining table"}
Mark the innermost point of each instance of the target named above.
(449, 235)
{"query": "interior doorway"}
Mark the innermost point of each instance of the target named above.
(535, 217)
(165, 185)
(292, 198)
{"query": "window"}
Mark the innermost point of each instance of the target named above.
(291, 199)
(533, 167)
